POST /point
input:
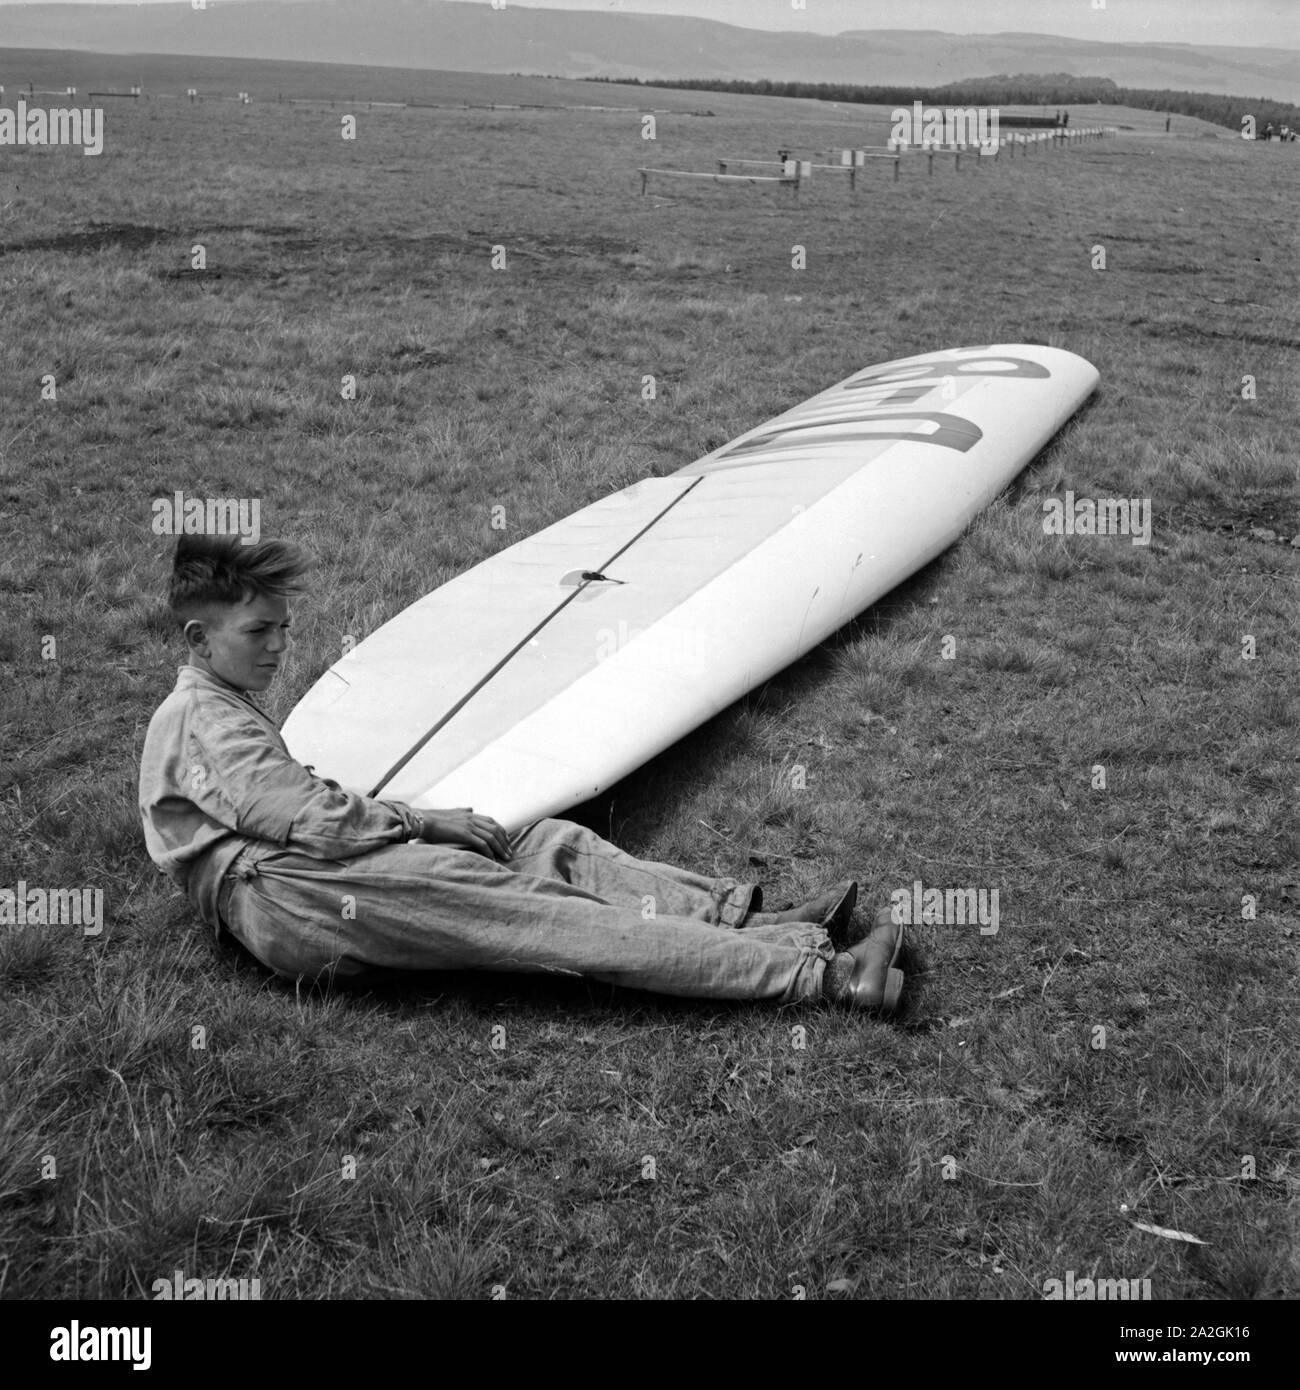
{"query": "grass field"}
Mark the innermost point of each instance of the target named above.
(1123, 1050)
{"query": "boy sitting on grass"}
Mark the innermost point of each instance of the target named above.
(324, 884)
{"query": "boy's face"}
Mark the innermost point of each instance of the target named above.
(243, 644)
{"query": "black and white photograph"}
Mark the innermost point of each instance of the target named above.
(649, 655)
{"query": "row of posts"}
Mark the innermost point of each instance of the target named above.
(849, 161)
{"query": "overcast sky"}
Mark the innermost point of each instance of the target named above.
(1249, 23)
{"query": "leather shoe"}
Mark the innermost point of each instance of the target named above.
(831, 910)
(875, 983)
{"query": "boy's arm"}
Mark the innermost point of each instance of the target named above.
(242, 775)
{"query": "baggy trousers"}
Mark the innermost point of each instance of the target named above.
(566, 903)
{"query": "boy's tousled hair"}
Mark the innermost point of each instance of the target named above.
(223, 570)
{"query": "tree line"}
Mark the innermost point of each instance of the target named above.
(1022, 89)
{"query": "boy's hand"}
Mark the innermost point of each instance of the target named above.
(460, 826)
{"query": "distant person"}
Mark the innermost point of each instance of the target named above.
(1065, 120)
(1268, 131)
(325, 884)
(1167, 120)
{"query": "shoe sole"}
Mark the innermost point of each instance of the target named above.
(893, 991)
(895, 978)
(840, 918)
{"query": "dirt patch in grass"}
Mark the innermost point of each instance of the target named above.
(95, 237)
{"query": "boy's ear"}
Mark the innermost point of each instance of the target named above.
(196, 635)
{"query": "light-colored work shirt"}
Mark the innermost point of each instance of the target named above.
(216, 777)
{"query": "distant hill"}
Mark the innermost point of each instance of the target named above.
(163, 75)
(570, 43)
